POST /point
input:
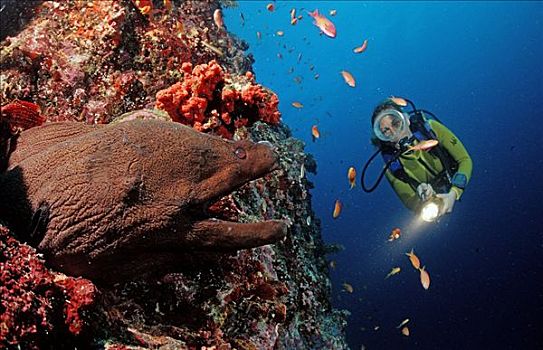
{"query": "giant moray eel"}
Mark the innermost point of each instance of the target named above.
(112, 201)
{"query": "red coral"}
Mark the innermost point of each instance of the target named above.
(81, 293)
(32, 297)
(265, 101)
(206, 92)
(21, 115)
(186, 101)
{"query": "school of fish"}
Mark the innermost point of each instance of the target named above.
(327, 27)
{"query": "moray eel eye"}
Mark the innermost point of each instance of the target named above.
(240, 153)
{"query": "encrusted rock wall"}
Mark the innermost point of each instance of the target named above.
(91, 61)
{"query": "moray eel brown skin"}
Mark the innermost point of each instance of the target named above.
(105, 201)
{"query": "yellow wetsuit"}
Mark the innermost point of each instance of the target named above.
(423, 166)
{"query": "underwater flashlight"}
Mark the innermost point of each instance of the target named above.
(430, 210)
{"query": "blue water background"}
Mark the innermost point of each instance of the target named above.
(478, 67)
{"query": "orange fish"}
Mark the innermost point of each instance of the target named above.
(270, 7)
(217, 17)
(348, 77)
(337, 209)
(424, 145)
(394, 235)
(333, 12)
(405, 331)
(414, 259)
(145, 6)
(280, 33)
(323, 23)
(399, 101)
(393, 271)
(293, 13)
(258, 35)
(315, 132)
(424, 278)
(297, 104)
(348, 288)
(351, 175)
(293, 21)
(362, 48)
(403, 323)
(168, 4)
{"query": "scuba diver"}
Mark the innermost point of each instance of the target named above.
(426, 164)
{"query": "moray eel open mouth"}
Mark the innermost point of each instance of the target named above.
(218, 217)
(137, 191)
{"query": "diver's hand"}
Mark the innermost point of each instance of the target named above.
(448, 201)
(425, 191)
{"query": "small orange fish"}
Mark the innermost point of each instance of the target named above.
(399, 101)
(315, 132)
(270, 7)
(424, 145)
(337, 209)
(362, 48)
(323, 23)
(405, 331)
(351, 175)
(293, 21)
(395, 270)
(280, 33)
(348, 77)
(414, 259)
(297, 104)
(333, 12)
(348, 288)
(258, 35)
(394, 235)
(179, 28)
(145, 6)
(293, 13)
(424, 278)
(168, 4)
(403, 323)
(217, 17)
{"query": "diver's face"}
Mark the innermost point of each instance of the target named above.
(390, 127)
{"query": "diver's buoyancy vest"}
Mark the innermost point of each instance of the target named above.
(422, 130)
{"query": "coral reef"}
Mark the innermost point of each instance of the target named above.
(208, 99)
(39, 305)
(97, 61)
(91, 60)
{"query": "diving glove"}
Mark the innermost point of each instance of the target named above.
(448, 201)
(425, 191)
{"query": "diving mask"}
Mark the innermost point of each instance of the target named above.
(389, 125)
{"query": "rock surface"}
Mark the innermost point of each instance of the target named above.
(92, 61)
